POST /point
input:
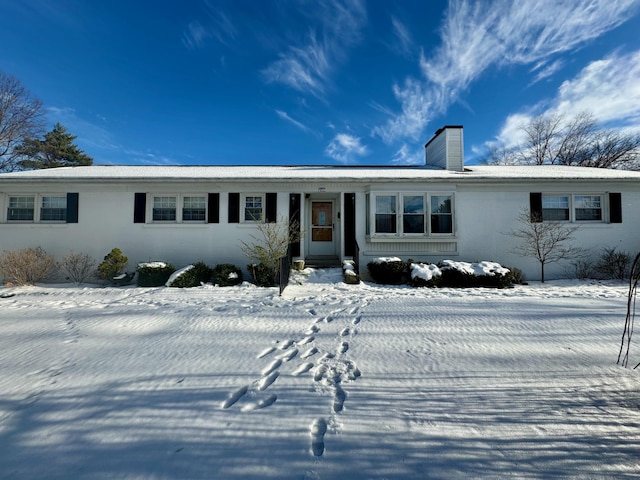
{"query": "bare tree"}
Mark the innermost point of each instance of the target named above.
(21, 118)
(547, 242)
(577, 141)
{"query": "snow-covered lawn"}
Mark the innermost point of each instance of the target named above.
(329, 381)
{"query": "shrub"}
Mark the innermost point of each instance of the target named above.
(77, 266)
(113, 265)
(387, 270)
(613, 264)
(154, 274)
(26, 266)
(424, 275)
(262, 275)
(193, 276)
(582, 269)
(226, 275)
(479, 274)
(517, 276)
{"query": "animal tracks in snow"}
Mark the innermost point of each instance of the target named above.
(319, 353)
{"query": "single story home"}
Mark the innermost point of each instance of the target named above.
(440, 210)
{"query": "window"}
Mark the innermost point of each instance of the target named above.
(386, 214)
(253, 208)
(588, 208)
(193, 209)
(413, 214)
(571, 208)
(409, 214)
(441, 214)
(21, 208)
(164, 209)
(555, 208)
(54, 209)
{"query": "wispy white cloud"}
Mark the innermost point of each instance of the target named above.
(218, 26)
(403, 38)
(546, 71)
(408, 156)
(307, 66)
(296, 123)
(477, 35)
(345, 148)
(608, 88)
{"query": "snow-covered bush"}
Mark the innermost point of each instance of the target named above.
(190, 276)
(26, 266)
(227, 275)
(449, 273)
(154, 274)
(479, 274)
(387, 270)
(424, 275)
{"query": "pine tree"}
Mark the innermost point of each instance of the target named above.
(56, 150)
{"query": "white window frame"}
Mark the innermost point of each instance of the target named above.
(400, 234)
(572, 207)
(179, 199)
(243, 207)
(38, 206)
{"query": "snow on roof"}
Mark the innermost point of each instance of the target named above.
(118, 173)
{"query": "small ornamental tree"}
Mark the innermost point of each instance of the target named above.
(113, 265)
(266, 249)
(547, 242)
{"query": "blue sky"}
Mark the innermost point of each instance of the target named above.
(317, 81)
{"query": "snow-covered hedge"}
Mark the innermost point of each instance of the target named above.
(190, 276)
(450, 273)
(387, 270)
(154, 274)
(227, 275)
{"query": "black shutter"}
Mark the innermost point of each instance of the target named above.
(72, 208)
(213, 208)
(535, 203)
(349, 209)
(234, 208)
(615, 208)
(139, 208)
(294, 222)
(271, 208)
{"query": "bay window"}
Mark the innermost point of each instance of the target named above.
(409, 214)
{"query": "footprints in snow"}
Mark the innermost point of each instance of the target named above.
(329, 373)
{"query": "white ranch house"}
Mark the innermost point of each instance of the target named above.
(442, 210)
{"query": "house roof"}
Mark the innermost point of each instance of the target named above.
(360, 174)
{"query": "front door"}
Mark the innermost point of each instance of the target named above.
(322, 238)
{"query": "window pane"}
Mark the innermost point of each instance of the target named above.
(54, 209)
(194, 209)
(441, 204)
(164, 209)
(21, 208)
(253, 209)
(413, 203)
(588, 208)
(555, 208)
(442, 223)
(385, 223)
(413, 223)
(386, 204)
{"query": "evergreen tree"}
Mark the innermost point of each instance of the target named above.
(56, 150)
